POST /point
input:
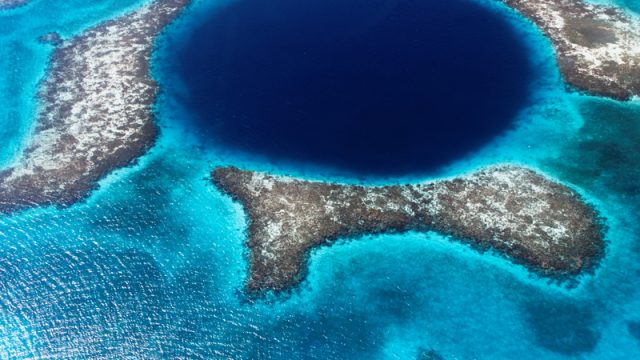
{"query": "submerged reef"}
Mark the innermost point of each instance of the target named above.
(51, 38)
(428, 354)
(634, 329)
(10, 4)
(95, 111)
(597, 46)
(513, 210)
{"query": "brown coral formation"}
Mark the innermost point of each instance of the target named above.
(510, 209)
(597, 47)
(95, 114)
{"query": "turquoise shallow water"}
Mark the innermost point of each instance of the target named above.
(151, 265)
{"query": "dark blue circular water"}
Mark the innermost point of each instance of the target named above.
(378, 87)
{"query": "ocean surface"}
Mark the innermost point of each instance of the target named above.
(152, 264)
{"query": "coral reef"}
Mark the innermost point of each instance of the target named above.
(95, 113)
(513, 210)
(597, 46)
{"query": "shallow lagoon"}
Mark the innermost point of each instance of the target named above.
(152, 264)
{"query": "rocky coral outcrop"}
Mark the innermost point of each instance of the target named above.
(597, 47)
(513, 210)
(95, 114)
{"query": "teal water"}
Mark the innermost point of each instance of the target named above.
(152, 264)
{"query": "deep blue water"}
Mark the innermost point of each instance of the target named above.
(381, 87)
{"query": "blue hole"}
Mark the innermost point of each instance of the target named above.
(375, 87)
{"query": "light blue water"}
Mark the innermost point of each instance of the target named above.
(152, 264)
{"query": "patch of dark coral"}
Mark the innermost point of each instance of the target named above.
(51, 38)
(562, 326)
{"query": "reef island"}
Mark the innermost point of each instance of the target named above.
(597, 46)
(513, 210)
(95, 111)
